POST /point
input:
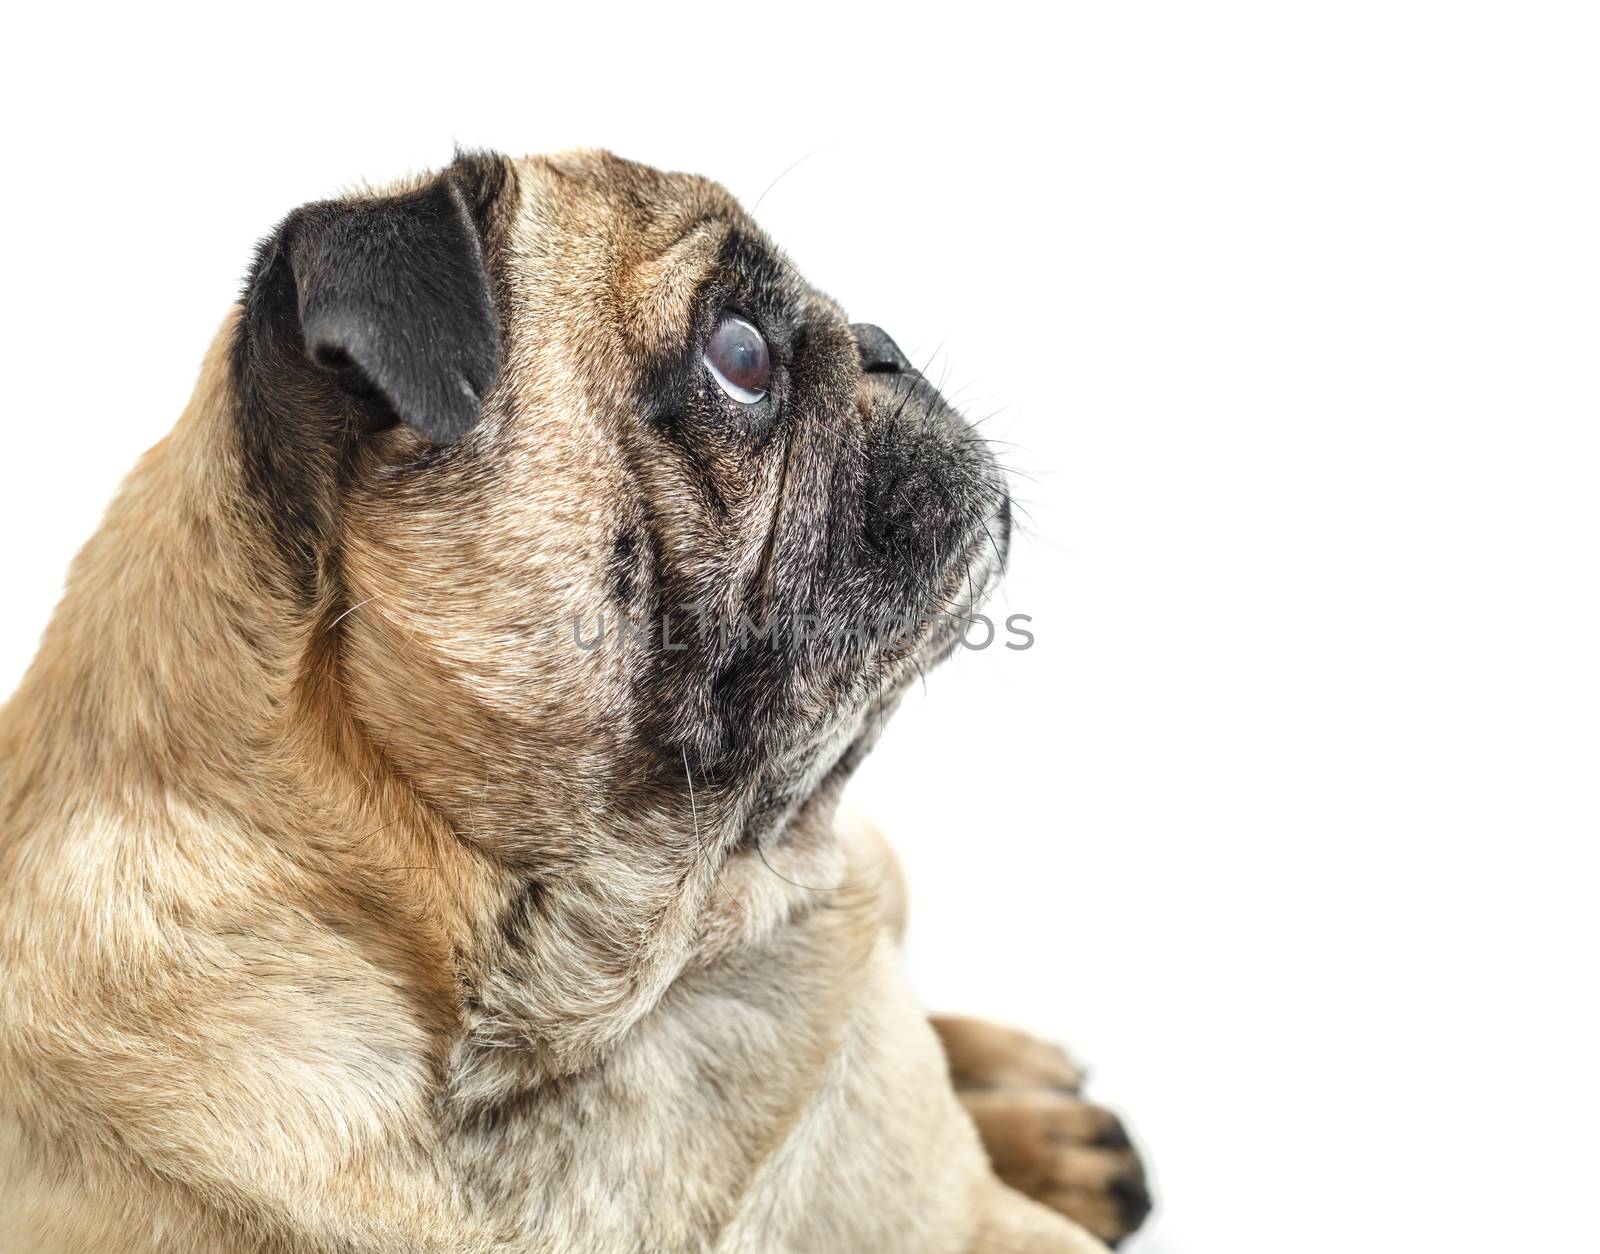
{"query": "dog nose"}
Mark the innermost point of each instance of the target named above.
(879, 354)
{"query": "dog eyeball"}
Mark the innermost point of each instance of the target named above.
(738, 359)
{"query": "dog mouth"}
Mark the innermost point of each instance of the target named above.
(972, 578)
(961, 592)
(965, 585)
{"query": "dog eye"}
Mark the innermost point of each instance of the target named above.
(738, 359)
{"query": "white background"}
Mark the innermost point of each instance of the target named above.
(1290, 311)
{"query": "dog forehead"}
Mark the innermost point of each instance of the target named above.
(607, 258)
(632, 211)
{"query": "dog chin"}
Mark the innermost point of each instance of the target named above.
(814, 795)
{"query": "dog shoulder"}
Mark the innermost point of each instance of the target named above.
(176, 1009)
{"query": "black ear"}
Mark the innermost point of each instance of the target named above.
(392, 299)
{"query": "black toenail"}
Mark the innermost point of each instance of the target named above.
(1132, 1197)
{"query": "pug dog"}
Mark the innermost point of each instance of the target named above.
(361, 892)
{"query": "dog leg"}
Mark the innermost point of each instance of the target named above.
(1023, 1094)
(1042, 1138)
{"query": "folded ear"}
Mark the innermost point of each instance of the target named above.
(390, 297)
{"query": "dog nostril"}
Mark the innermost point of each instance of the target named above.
(879, 354)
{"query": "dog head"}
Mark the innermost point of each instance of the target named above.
(603, 487)
(621, 537)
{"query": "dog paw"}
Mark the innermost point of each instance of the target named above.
(984, 1055)
(1060, 1150)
